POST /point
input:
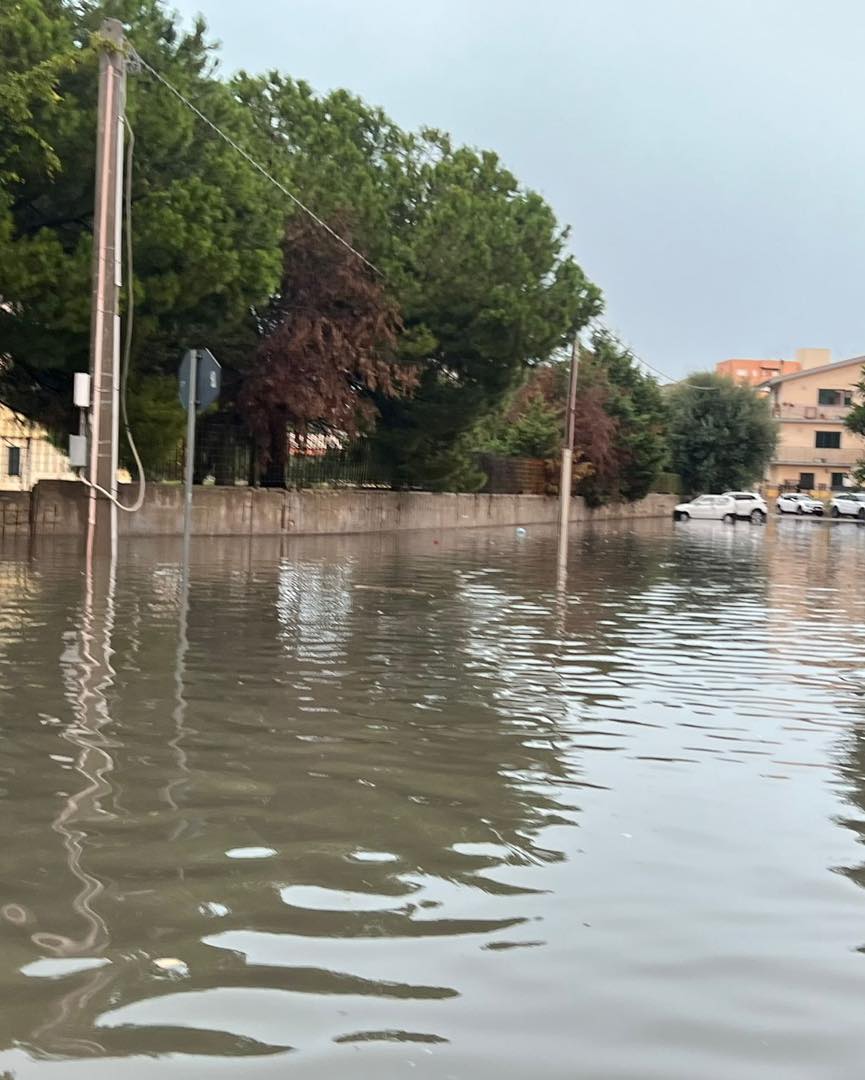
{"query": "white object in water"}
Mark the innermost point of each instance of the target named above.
(171, 966)
(250, 853)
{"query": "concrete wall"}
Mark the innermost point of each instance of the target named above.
(14, 513)
(60, 509)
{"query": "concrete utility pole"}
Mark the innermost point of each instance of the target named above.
(105, 318)
(568, 457)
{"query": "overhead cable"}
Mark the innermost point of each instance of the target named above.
(252, 161)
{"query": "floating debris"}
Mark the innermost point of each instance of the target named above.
(396, 589)
(53, 967)
(250, 853)
(213, 908)
(171, 966)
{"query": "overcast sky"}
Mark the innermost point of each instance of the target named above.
(709, 155)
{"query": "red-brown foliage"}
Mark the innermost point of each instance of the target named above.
(595, 430)
(595, 434)
(329, 339)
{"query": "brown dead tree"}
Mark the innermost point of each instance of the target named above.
(328, 343)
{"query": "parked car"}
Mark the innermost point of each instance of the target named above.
(848, 504)
(750, 504)
(707, 507)
(795, 503)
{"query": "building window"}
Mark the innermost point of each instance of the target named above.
(806, 481)
(838, 480)
(14, 460)
(835, 397)
(827, 440)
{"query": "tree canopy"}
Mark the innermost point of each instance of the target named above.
(206, 227)
(722, 434)
(633, 401)
(620, 429)
(855, 422)
(475, 264)
(328, 344)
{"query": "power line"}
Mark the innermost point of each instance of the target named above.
(138, 58)
(609, 332)
(602, 326)
(251, 161)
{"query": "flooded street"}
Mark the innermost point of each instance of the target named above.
(390, 806)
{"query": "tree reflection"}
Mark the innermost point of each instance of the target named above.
(851, 768)
(355, 732)
(388, 728)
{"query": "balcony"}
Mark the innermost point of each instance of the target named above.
(832, 414)
(810, 455)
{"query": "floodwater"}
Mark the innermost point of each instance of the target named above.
(392, 806)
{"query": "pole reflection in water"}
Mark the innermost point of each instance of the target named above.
(180, 707)
(88, 690)
(93, 760)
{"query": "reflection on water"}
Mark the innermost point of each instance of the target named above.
(367, 805)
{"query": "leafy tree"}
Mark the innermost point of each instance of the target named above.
(855, 422)
(722, 435)
(205, 227)
(328, 345)
(529, 423)
(620, 430)
(633, 400)
(476, 265)
(492, 291)
(536, 432)
(157, 421)
(36, 49)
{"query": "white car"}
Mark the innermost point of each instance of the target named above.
(750, 504)
(707, 508)
(795, 503)
(848, 504)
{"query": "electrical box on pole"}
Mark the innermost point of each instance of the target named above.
(81, 390)
(78, 451)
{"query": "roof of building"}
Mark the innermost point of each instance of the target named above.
(754, 360)
(859, 361)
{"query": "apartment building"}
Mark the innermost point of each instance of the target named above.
(755, 372)
(815, 450)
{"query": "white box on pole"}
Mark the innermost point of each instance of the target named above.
(81, 390)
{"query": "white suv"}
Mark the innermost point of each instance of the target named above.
(848, 503)
(750, 504)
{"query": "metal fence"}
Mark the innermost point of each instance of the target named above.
(508, 475)
(225, 455)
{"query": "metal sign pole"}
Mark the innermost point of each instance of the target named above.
(200, 379)
(191, 404)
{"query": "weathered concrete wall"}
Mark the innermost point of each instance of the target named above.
(14, 513)
(60, 509)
